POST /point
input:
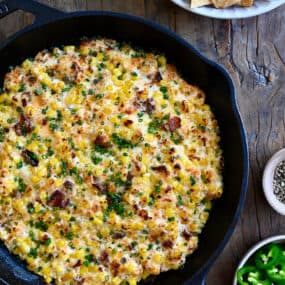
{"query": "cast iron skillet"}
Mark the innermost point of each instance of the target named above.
(53, 28)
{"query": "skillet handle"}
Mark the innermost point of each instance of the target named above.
(42, 12)
(199, 280)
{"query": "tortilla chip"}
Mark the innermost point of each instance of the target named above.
(228, 3)
(199, 3)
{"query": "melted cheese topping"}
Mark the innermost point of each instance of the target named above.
(109, 161)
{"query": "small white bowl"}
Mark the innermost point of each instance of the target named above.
(251, 252)
(267, 181)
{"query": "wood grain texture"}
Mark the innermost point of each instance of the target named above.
(253, 50)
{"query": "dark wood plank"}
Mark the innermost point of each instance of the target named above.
(253, 51)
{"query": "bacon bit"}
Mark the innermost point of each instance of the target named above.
(174, 123)
(160, 168)
(167, 244)
(184, 106)
(57, 199)
(172, 158)
(193, 157)
(168, 188)
(127, 123)
(115, 268)
(68, 184)
(24, 126)
(137, 166)
(186, 235)
(45, 237)
(78, 263)
(44, 122)
(29, 157)
(118, 235)
(104, 258)
(149, 105)
(101, 141)
(177, 166)
(100, 186)
(155, 78)
(143, 213)
(24, 102)
(172, 150)
(32, 79)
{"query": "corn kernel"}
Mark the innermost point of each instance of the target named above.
(69, 49)
(161, 60)
(157, 258)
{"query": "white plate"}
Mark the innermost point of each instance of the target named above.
(235, 12)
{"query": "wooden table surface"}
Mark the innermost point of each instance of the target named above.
(253, 50)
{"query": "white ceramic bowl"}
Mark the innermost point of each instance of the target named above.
(267, 181)
(235, 12)
(251, 252)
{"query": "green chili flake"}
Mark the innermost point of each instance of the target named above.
(19, 110)
(21, 185)
(22, 87)
(59, 116)
(30, 208)
(47, 241)
(150, 246)
(41, 225)
(121, 142)
(202, 128)
(33, 253)
(11, 120)
(71, 142)
(176, 138)
(64, 169)
(163, 89)
(99, 96)
(192, 180)
(44, 110)
(204, 178)
(19, 164)
(180, 200)
(69, 236)
(50, 152)
(53, 126)
(152, 201)
(44, 86)
(73, 111)
(171, 219)
(96, 159)
(2, 134)
(38, 92)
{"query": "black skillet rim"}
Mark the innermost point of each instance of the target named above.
(62, 15)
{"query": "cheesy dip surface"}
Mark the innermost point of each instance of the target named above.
(109, 161)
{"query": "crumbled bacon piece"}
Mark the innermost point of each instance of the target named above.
(161, 169)
(174, 123)
(186, 235)
(104, 257)
(100, 186)
(149, 105)
(143, 213)
(127, 123)
(167, 244)
(101, 141)
(58, 199)
(24, 126)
